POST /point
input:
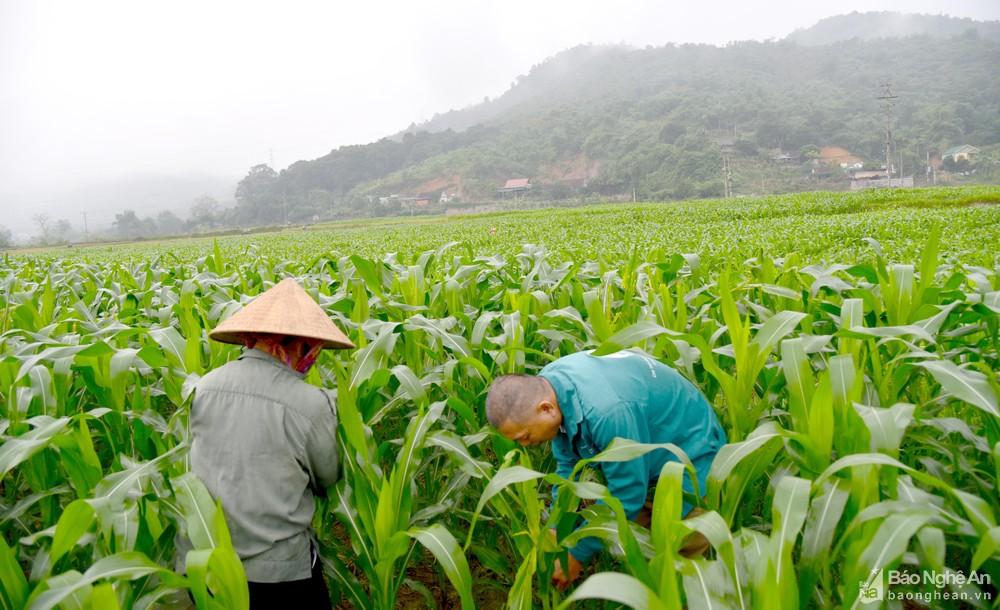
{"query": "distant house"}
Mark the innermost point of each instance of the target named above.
(515, 186)
(417, 201)
(964, 152)
(447, 197)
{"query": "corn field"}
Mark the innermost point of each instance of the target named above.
(849, 345)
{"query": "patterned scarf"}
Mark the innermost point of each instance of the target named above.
(285, 349)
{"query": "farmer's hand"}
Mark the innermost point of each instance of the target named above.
(561, 578)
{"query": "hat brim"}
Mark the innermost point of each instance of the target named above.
(238, 337)
(285, 309)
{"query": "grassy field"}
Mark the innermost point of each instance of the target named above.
(849, 344)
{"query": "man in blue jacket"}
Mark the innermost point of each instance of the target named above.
(581, 402)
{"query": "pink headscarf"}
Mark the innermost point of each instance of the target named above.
(276, 346)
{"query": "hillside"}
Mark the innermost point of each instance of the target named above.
(607, 120)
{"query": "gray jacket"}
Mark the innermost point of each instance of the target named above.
(263, 441)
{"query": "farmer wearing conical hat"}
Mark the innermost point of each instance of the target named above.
(582, 402)
(263, 442)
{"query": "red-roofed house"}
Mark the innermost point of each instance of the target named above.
(515, 186)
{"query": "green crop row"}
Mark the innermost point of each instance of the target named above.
(817, 226)
(859, 393)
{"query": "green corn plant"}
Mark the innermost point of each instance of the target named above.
(377, 510)
(522, 506)
(775, 579)
(660, 577)
(516, 486)
(212, 567)
(873, 377)
(743, 404)
(738, 468)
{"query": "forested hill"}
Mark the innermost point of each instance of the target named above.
(607, 120)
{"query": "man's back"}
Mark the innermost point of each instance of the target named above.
(632, 395)
(262, 439)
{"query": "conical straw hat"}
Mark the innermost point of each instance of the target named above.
(285, 309)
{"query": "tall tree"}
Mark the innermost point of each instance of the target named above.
(128, 225)
(168, 223)
(204, 212)
(257, 195)
(45, 227)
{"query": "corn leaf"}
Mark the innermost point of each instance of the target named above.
(619, 588)
(445, 549)
(970, 386)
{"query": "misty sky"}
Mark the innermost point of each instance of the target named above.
(93, 93)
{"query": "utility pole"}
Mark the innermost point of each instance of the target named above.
(727, 148)
(727, 176)
(887, 106)
(86, 234)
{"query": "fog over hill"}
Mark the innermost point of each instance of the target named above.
(875, 25)
(555, 70)
(105, 112)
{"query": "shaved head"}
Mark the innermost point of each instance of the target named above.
(514, 398)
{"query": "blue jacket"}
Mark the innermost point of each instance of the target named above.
(631, 395)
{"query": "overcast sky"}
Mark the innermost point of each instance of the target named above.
(93, 92)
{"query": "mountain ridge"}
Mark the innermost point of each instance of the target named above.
(651, 120)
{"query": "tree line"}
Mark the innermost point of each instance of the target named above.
(205, 214)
